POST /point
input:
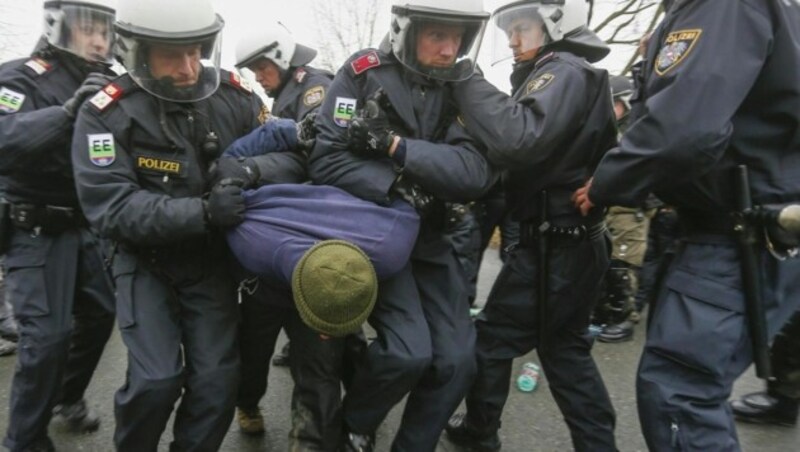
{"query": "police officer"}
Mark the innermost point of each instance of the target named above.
(628, 227)
(55, 278)
(272, 58)
(142, 149)
(780, 403)
(405, 142)
(707, 103)
(547, 137)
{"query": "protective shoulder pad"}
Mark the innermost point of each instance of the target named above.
(110, 93)
(365, 62)
(37, 66)
(235, 80)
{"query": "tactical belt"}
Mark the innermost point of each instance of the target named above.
(692, 224)
(46, 219)
(560, 235)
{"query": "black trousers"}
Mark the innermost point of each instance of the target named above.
(64, 304)
(509, 327)
(424, 349)
(179, 324)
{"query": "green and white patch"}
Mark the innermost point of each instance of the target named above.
(344, 109)
(10, 100)
(101, 149)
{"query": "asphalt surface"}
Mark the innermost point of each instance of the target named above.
(531, 421)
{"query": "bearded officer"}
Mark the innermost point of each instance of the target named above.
(142, 150)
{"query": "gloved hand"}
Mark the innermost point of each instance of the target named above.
(225, 204)
(243, 169)
(369, 134)
(306, 132)
(93, 83)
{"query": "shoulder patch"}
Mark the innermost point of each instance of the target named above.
(539, 83)
(344, 109)
(10, 100)
(38, 65)
(365, 62)
(106, 96)
(676, 48)
(300, 75)
(264, 114)
(101, 149)
(239, 82)
(314, 96)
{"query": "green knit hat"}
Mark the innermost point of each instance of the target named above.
(334, 287)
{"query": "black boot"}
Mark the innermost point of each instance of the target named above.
(763, 408)
(356, 442)
(281, 359)
(620, 332)
(461, 433)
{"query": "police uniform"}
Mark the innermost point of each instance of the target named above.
(55, 277)
(141, 168)
(302, 93)
(425, 342)
(719, 89)
(548, 136)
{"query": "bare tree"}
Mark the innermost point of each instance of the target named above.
(622, 23)
(346, 27)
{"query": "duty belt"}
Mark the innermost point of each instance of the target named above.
(46, 219)
(560, 235)
(692, 223)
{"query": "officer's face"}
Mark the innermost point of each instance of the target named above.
(525, 37)
(90, 39)
(267, 74)
(179, 63)
(438, 44)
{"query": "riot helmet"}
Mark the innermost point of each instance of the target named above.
(274, 43)
(524, 27)
(439, 39)
(83, 28)
(174, 52)
(265, 55)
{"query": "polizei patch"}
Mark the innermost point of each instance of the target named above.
(539, 83)
(676, 48)
(101, 149)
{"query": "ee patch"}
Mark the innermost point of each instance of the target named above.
(344, 109)
(10, 100)
(101, 149)
(676, 48)
(539, 83)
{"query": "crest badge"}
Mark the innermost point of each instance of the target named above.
(676, 48)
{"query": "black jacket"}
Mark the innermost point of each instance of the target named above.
(720, 88)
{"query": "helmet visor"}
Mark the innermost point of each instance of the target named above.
(82, 30)
(518, 32)
(176, 70)
(442, 48)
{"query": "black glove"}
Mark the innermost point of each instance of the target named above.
(243, 169)
(369, 133)
(225, 204)
(306, 132)
(93, 83)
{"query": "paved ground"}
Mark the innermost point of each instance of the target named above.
(531, 421)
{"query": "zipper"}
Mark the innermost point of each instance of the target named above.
(673, 426)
